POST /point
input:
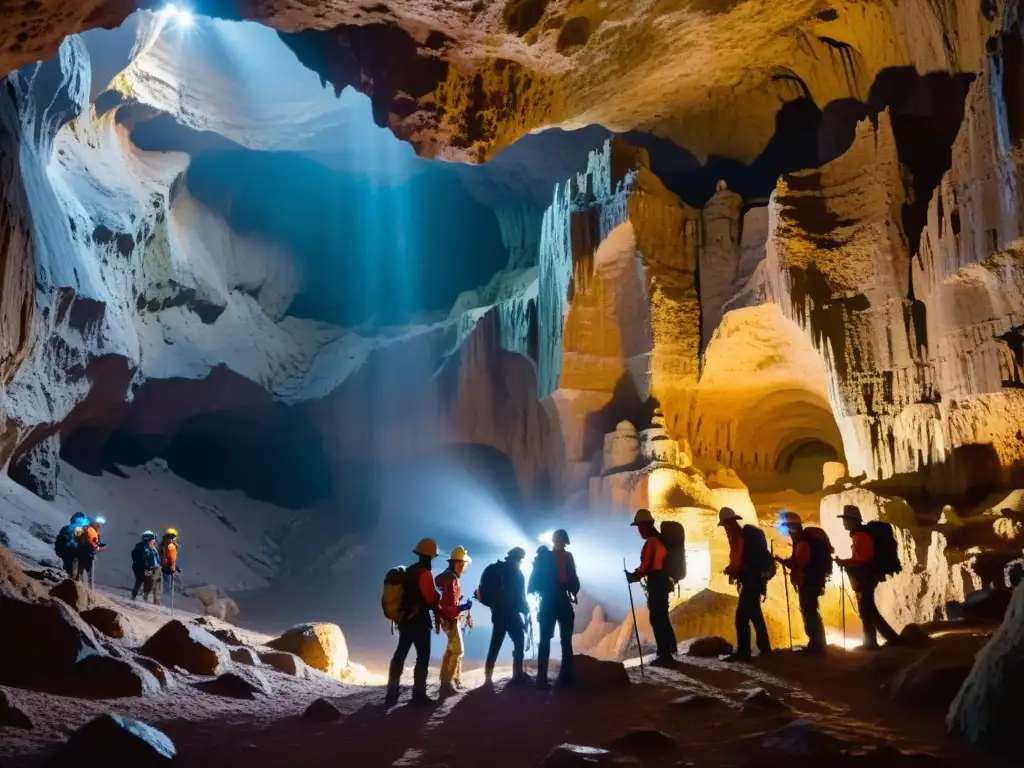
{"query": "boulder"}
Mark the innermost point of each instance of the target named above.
(321, 646)
(232, 686)
(105, 677)
(43, 641)
(709, 647)
(644, 741)
(1013, 572)
(244, 655)
(590, 674)
(105, 620)
(288, 663)
(322, 711)
(215, 603)
(187, 646)
(578, 756)
(986, 709)
(11, 716)
(77, 595)
(116, 740)
(157, 670)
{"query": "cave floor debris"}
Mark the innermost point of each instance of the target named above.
(843, 695)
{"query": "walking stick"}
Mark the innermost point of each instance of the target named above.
(636, 628)
(842, 582)
(172, 596)
(789, 615)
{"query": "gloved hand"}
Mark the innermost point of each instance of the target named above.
(465, 606)
(631, 577)
(177, 570)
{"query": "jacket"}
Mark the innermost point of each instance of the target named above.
(144, 557)
(451, 594)
(554, 575)
(169, 555)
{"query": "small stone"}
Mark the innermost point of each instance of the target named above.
(231, 686)
(322, 711)
(644, 740)
(802, 737)
(116, 740)
(758, 697)
(578, 756)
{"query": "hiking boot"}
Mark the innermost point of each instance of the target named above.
(421, 698)
(542, 684)
(459, 685)
(663, 661)
(446, 690)
(391, 697)
(520, 678)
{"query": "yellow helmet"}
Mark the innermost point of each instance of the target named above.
(171, 532)
(426, 547)
(460, 554)
(642, 516)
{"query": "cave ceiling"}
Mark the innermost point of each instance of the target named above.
(462, 80)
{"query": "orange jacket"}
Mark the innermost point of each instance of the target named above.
(652, 557)
(451, 594)
(169, 556)
(427, 589)
(89, 538)
(797, 564)
(863, 549)
(735, 553)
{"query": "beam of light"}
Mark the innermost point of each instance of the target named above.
(179, 17)
(545, 538)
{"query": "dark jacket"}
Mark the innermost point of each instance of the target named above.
(546, 579)
(144, 557)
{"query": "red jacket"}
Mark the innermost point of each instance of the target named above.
(451, 594)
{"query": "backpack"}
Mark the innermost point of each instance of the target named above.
(142, 560)
(491, 591)
(758, 561)
(64, 546)
(393, 599)
(886, 561)
(673, 536)
(819, 568)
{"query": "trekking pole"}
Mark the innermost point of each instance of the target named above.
(842, 582)
(636, 627)
(172, 596)
(789, 615)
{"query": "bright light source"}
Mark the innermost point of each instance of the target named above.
(100, 520)
(181, 17)
(545, 538)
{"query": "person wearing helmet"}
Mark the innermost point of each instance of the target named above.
(88, 545)
(66, 544)
(450, 619)
(809, 568)
(146, 567)
(745, 571)
(510, 614)
(169, 558)
(659, 585)
(555, 580)
(419, 598)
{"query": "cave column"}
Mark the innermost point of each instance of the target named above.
(720, 256)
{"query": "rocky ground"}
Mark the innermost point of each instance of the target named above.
(226, 698)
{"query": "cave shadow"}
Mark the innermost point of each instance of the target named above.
(969, 475)
(625, 405)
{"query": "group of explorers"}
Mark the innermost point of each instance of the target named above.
(155, 566)
(412, 595)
